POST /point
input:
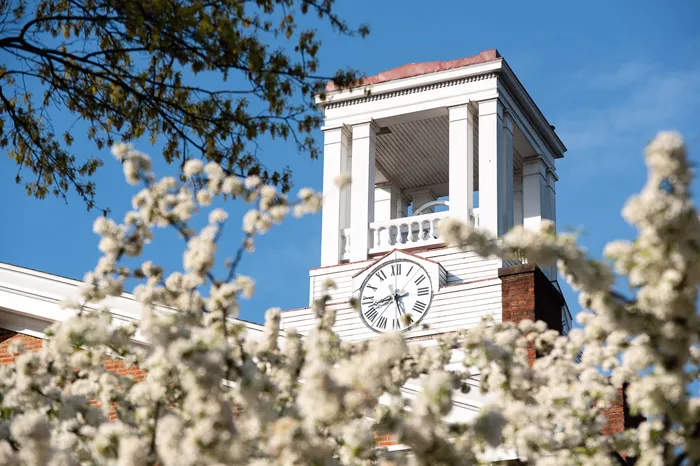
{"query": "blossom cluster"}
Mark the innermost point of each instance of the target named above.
(213, 395)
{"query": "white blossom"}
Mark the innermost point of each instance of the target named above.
(211, 395)
(192, 167)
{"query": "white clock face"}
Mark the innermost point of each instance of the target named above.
(395, 296)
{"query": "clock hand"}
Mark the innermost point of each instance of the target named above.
(385, 308)
(400, 307)
(381, 301)
(396, 284)
(407, 281)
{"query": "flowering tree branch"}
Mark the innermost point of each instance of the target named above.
(214, 395)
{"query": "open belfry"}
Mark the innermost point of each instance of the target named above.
(421, 143)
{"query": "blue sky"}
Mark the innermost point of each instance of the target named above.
(609, 75)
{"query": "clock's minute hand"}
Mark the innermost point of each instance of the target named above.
(407, 282)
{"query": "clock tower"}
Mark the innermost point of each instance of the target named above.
(421, 143)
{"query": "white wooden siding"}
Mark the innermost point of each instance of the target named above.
(453, 308)
(461, 266)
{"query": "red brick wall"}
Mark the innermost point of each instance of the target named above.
(34, 344)
(527, 293)
(616, 416)
(384, 440)
(517, 294)
(7, 336)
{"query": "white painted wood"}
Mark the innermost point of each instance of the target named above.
(461, 152)
(435, 271)
(551, 271)
(492, 190)
(459, 267)
(518, 197)
(382, 203)
(407, 232)
(336, 144)
(30, 301)
(362, 187)
(387, 202)
(535, 203)
(401, 105)
(412, 82)
(453, 308)
(507, 173)
(414, 154)
(540, 133)
(552, 196)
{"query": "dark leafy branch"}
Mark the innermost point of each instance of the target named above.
(206, 78)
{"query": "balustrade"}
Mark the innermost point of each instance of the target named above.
(401, 233)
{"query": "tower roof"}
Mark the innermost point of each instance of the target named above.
(417, 69)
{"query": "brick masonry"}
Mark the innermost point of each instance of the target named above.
(527, 294)
(34, 344)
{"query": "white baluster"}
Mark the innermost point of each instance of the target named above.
(384, 236)
(405, 227)
(375, 237)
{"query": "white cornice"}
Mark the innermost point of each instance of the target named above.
(444, 79)
(527, 104)
(430, 79)
(31, 299)
(375, 96)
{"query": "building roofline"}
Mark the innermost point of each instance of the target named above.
(416, 69)
(31, 294)
(419, 75)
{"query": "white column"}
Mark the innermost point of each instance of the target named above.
(461, 165)
(364, 139)
(535, 202)
(492, 198)
(551, 213)
(336, 145)
(552, 196)
(384, 202)
(518, 198)
(507, 157)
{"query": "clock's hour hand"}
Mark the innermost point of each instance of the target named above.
(385, 307)
(383, 300)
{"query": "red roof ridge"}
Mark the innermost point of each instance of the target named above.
(417, 69)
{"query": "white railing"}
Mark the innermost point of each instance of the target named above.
(400, 233)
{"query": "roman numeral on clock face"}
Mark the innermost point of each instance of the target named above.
(419, 280)
(424, 291)
(371, 314)
(396, 324)
(368, 300)
(419, 307)
(381, 275)
(381, 323)
(395, 269)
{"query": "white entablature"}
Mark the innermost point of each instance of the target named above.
(460, 138)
